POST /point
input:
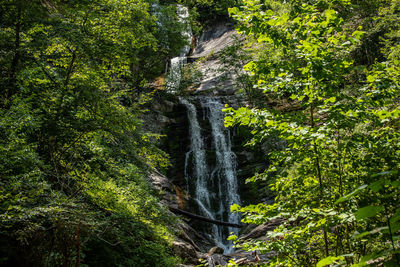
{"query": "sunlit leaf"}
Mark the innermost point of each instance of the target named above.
(367, 212)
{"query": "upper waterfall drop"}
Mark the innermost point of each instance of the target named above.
(175, 72)
(183, 15)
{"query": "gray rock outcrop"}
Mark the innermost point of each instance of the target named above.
(215, 80)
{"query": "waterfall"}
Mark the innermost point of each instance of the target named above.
(216, 190)
(175, 73)
(225, 169)
(183, 15)
(175, 70)
(197, 151)
(200, 170)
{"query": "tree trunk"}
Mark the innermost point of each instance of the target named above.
(202, 218)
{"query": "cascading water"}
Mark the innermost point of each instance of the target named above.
(197, 151)
(213, 192)
(225, 169)
(175, 72)
(200, 170)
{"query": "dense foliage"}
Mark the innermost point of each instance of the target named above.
(208, 12)
(74, 154)
(337, 179)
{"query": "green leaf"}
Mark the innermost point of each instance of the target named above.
(384, 173)
(330, 100)
(374, 231)
(330, 13)
(329, 260)
(235, 208)
(396, 184)
(367, 212)
(378, 185)
(395, 226)
(347, 197)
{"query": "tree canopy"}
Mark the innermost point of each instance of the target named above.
(74, 154)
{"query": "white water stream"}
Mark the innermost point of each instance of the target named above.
(175, 69)
(216, 190)
(225, 170)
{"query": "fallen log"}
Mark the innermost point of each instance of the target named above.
(202, 218)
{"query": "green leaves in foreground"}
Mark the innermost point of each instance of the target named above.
(367, 212)
(352, 194)
(336, 176)
(329, 260)
(73, 152)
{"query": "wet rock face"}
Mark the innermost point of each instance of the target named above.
(214, 39)
(157, 118)
(215, 80)
(175, 143)
(199, 242)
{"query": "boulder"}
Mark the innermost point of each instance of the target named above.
(185, 251)
(190, 235)
(165, 189)
(217, 260)
(216, 250)
(261, 230)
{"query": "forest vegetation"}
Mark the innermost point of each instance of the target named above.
(334, 67)
(74, 154)
(322, 76)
